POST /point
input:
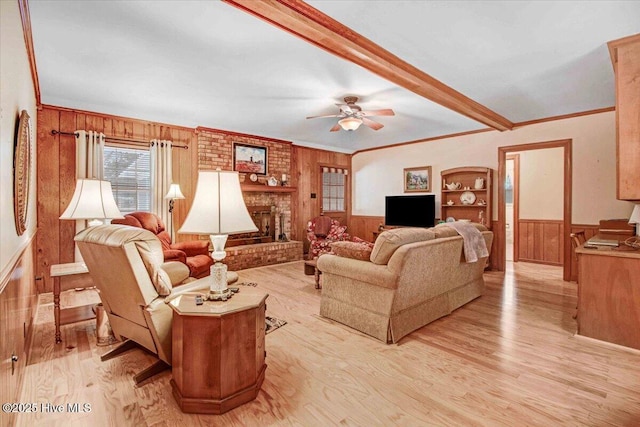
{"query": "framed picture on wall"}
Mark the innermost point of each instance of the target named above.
(417, 179)
(249, 158)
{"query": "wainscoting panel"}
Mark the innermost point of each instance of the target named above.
(540, 241)
(17, 307)
(363, 226)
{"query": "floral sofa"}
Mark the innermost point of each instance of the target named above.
(411, 277)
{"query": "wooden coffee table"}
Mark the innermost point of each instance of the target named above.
(218, 352)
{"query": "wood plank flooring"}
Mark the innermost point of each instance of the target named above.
(509, 358)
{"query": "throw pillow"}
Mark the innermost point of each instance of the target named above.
(355, 250)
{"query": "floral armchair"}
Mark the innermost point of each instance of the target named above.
(321, 232)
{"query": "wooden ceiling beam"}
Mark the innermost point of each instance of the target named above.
(308, 23)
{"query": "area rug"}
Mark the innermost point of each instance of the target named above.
(273, 324)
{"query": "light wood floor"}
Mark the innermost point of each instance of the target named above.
(508, 358)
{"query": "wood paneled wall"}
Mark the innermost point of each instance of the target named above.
(363, 226)
(17, 307)
(540, 241)
(306, 164)
(56, 174)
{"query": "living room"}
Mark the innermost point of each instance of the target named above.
(321, 372)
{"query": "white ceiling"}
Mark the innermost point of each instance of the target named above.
(206, 63)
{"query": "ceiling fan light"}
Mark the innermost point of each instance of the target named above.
(350, 123)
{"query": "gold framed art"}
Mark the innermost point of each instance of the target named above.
(22, 172)
(417, 179)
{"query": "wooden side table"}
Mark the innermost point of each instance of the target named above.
(218, 352)
(77, 277)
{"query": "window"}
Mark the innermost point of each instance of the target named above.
(333, 189)
(129, 171)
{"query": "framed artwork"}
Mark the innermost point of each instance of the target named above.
(21, 172)
(417, 179)
(249, 159)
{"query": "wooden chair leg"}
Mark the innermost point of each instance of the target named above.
(145, 374)
(125, 346)
(149, 372)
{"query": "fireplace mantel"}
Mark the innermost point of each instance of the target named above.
(267, 188)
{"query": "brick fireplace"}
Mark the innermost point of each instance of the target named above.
(269, 208)
(272, 214)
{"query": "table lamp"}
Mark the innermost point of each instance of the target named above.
(92, 200)
(218, 209)
(634, 242)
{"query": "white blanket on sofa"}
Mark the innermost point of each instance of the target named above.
(474, 245)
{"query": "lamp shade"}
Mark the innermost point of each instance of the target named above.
(350, 123)
(92, 199)
(218, 206)
(174, 192)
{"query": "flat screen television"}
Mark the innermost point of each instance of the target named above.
(410, 211)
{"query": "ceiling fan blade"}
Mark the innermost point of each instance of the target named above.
(328, 115)
(345, 108)
(384, 112)
(370, 123)
(335, 128)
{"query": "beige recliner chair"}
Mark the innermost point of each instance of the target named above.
(127, 266)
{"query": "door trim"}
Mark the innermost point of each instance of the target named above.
(516, 205)
(566, 144)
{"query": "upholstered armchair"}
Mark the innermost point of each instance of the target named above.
(195, 254)
(321, 232)
(127, 266)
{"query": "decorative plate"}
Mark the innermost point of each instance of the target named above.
(467, 198)
(253, 177)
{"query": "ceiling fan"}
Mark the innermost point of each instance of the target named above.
(351, 116)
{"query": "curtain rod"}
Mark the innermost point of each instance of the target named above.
(113, 138)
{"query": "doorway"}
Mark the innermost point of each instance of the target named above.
(565, 223)
(512, 204)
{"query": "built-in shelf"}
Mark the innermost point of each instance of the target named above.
(267, 188)
(462, 191)
(464, 206)
(470, 177)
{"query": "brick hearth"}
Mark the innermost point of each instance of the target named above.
(248, 256)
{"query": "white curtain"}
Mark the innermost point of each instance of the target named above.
(89, 154)
(89, 164)
(160, 178)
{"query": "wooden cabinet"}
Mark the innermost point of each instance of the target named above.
(608, 295)
(466, 194)
(218, 351)
(625, 54)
